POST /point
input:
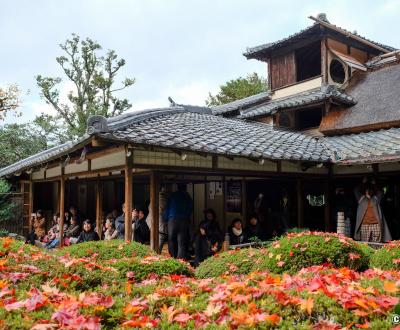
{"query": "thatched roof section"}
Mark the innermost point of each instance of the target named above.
(378, 106)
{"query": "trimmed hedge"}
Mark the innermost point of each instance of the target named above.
(295, 251)
(106, 250)
(290, 254)
(241, 261)
(387, 257)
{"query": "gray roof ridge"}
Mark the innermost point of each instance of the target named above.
(251, 50)
(127, 119)
(265, 93)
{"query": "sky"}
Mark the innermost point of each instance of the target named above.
(179, 48)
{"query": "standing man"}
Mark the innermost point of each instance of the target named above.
(371, 225)
(120, 224)
(177, 214)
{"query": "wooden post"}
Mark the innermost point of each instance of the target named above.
(224, 201)
(99, 208)
(154, 200)
(30, 202)
(128, 194)
(62, 206)
(300, 206)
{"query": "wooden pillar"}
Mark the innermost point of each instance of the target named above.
(128, 194)
(30, 202)
(154, 200)
(328, 197)
(300, 206)
(99, 208)
(62, 206)
(224, 201)
(244, 200)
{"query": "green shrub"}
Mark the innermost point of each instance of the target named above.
(296, 251)
(141, 269)
(231, 262)
(106, 250)
(387, 257)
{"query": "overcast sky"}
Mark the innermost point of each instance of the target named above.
(183, 48)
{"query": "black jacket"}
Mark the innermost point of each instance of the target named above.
(142, 231)
(87, 236)
(234, 239)
(213, 231)
(253, 231)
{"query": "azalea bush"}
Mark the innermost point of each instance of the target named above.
(106, 250)
(318, 297)
(242, 261)
(297, 250)
(387, 257)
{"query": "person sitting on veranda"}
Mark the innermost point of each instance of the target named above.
(88, 234)
(54, 239)
(73, 231)
(52, 233)
(208, 240)
(253, 230)
(120, 223)
(141, 229)
(39, 228)
(110, 232)
(236, 234)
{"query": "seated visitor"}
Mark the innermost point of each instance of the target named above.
(88, 234)
(73, 231)
(141, 229)
(54, 240)
(214, 232)
(51, 234)
(253, 230)
(203, 245)
(73, 211)
(134, 216)
(39, 228)
(236, 235)
(120, 224)
(110, 232)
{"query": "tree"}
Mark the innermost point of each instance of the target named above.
(6, 206)
(9, 100)
(93, 77)
(18, 142)
(238, 89)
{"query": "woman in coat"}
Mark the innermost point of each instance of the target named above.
(371, 225)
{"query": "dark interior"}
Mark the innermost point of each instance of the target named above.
(309, 118)
(336, 70)
(308, 61)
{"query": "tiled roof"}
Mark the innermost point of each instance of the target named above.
(253, 52)
(43, 157)
(239, 104)
(217, 135)
(305, 98)
(183, 129)
(370, 147)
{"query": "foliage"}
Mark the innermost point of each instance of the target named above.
(93, 76)
(32, 296)
(238, 89)
(18, 141)
(106, 250)
(9, 100)
(297, 250)
(6, 206)
(240, 261)
(387, 257)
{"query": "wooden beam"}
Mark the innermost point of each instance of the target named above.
(349, 34)
(62, 206)
(128, 194)
(244, 200)
(99, 208)
(104, 152)
(300, 206)
(154, 201)
(96, 142)
(30, 202)
(324, 60)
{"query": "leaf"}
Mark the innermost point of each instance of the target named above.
(390, 287)
(182, 318)
(307, 305)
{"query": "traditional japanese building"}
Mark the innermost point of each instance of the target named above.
(330, 117)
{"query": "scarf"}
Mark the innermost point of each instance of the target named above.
(237, 232)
